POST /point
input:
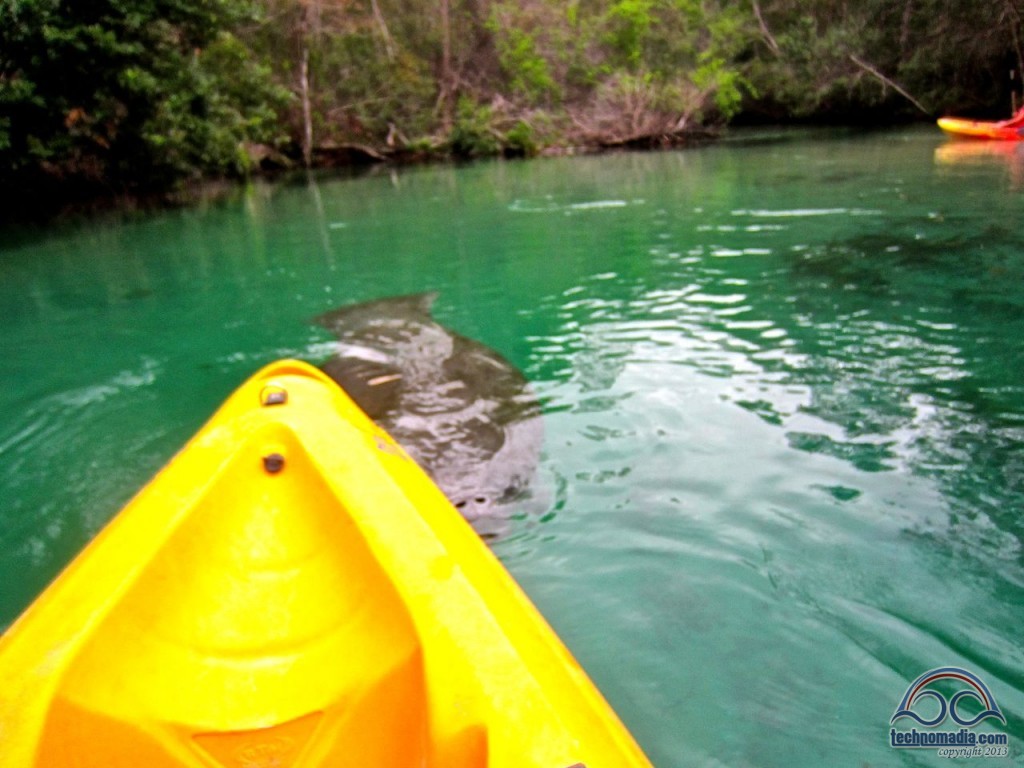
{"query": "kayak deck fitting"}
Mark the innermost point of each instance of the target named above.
(292, 591)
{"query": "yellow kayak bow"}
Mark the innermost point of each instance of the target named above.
(292, 591)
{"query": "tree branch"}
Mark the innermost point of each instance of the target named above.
(886, 81)
(385, 33)
(769, 38)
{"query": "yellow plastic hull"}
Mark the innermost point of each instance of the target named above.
(292, 591)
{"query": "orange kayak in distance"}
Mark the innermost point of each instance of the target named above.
(1000, 130)
(293, 591)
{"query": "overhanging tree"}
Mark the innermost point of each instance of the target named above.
(128, 94)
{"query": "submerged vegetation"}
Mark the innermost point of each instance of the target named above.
(139, 96)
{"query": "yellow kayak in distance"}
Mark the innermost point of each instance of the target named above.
(292, 591)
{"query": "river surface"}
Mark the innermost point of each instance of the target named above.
(783, 386)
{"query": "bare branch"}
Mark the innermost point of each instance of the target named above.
(768, 37)
(886, 81)
(385, 33)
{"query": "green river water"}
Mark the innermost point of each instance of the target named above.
(782, 378)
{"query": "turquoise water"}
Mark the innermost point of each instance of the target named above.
(783, 473)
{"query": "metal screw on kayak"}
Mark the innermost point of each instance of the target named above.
(273, 463)
(272, 394)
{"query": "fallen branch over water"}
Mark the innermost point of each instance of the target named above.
(886, 81)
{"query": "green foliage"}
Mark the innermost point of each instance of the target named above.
(220, 99)
(129, 95)
(366, 92)
(946, 54)
(686, 53)
(520, 141)
(724, 83)
(628, 26)
(139, 94)
(527, 70)
(479, 132)
(384, 71)
(473, 134)
(363, 87)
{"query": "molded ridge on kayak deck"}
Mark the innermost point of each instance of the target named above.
(292, 591)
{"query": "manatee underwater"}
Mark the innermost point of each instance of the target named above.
(460, 409)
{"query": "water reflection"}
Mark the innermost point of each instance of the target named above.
(1007, 155)
(898, 474)
(887, 338)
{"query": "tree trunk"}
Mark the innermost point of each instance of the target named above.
(307, 110)
(447, 90)
(385, 33)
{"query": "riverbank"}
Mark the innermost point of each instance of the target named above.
(106, 103)
(52, 198)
